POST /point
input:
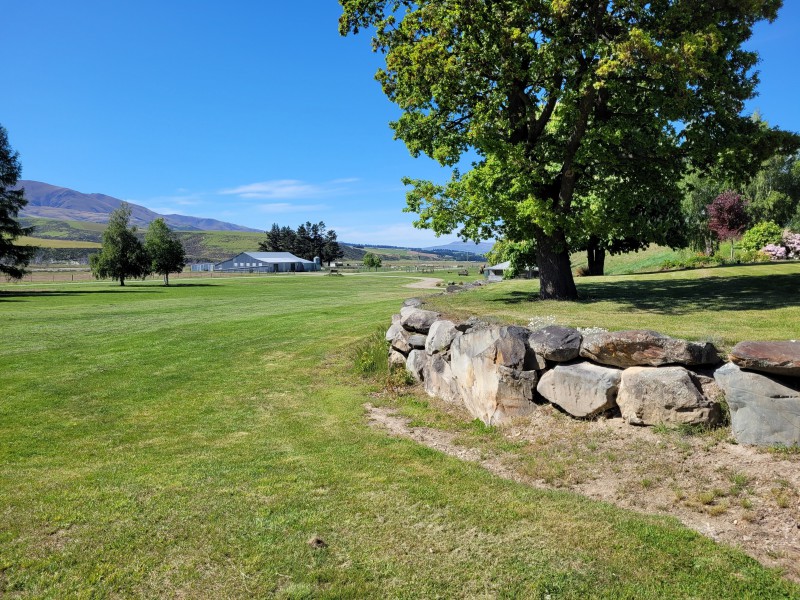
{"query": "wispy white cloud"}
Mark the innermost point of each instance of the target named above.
(289, 189)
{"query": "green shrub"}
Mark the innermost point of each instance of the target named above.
(694, 261)
(760, 235)
(371, 356)
(751, 256)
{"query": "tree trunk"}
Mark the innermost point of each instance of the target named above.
(122, 281)
(166, 279)
(555, 272)
(596, 257)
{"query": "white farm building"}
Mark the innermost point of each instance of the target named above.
(267, 262)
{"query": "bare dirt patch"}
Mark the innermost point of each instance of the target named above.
(424, 283)
(740, 495)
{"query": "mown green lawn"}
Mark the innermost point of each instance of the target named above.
(188, 441)
(722, 304)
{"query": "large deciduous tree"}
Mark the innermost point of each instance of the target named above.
(13, 258)
(122, 256)
(164, 249)
(565, 105)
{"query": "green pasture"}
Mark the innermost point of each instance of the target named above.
(25, 240)
(188, 441)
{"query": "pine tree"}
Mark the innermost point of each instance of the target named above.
(13, 259)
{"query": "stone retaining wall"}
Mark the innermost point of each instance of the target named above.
(500, 371)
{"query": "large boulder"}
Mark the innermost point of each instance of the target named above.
(438, 379)
(582, 389)
(413, 302)
(778, 358)
(645, 348)
(417, 319)
(764, 410)
(394, 328)
(400, 341)
(396, 359)
(440, 336)
(559, 344)
(668, 395)
(417, 341)
(415, 363)
(488, 365)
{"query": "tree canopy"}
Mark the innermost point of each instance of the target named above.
(309, 241)
(122, 256)
(581, 115)
(371, 260)
(164, 250)
(13, 258)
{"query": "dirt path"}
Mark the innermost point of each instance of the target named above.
(734, 494)
(424, 283)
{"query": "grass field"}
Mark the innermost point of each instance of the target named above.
(54, 243)
(188, 441)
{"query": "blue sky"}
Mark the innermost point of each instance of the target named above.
(249, 112)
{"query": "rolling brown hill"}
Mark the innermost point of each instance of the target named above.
(54, 202)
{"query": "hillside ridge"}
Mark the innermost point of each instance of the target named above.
(55, 202)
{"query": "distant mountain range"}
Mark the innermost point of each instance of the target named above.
(471, 247)
(53, 202)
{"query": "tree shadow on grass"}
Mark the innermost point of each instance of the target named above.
(19, 295)
(140, 288)
(684, 296)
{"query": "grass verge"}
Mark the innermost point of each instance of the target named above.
(189, 441)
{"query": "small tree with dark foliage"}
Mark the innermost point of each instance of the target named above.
(123, 256)
(727, 216)
(164, 249)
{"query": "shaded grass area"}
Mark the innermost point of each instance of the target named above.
(722, 304)
(649, 259)
(189, 441)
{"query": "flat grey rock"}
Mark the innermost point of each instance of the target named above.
(778, 358)
(556, 343)
(415, 363)
(400, 342)
(396, 359)
(417, 341)
(440, 336)
(582, 389)
(417, 320)
(664, 395)
(765, 411)
(645, 348)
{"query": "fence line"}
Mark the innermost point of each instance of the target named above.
(68, 276)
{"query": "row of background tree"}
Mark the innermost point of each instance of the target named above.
(123, 256)
(308, 241)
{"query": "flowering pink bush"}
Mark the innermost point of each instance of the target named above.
(774, 252)
(792, 243)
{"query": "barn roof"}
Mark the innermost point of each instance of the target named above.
(500, 267)
(276, 257)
